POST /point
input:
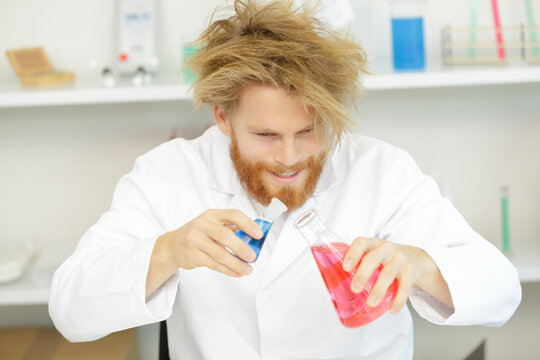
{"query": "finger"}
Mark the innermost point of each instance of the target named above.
(357, 249)
(237, 220)
(370, 262)
(220, 255)
(404, 290)
(241, 220)
(207, 261)
(231, 227)
(387, 275)
(228, 239)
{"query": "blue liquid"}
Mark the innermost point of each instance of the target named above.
(255, 244)
(408, 43)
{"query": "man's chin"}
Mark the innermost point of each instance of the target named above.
(289, 194)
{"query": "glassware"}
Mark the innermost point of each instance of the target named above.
(505, 220)
(328, 251)
(189, 48)
(271, 214)
(408, 34)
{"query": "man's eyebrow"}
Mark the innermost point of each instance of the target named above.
(260, 130)
(267, 130)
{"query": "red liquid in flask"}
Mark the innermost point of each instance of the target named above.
(351, 307)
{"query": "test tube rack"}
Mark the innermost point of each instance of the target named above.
(478, 46)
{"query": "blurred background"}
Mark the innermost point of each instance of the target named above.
(467, 109)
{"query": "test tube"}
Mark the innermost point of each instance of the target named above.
(505, 220)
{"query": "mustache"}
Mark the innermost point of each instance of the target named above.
(260, 165)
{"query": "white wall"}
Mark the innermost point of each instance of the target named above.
(75, 31)
(59, 165)
(481, 138)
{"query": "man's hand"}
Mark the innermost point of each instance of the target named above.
(203, 242)
(409, 264)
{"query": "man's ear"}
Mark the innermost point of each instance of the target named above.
(222, 121)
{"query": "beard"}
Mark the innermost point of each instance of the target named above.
(252, 176)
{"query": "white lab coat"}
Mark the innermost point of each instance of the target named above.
(282, 310)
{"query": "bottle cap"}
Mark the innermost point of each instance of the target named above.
(274, 210)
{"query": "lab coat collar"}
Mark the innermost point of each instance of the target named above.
(223, 177)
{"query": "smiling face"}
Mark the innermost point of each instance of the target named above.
(273, 146)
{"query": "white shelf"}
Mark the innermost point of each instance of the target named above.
(34, 287)
(87, 91)
(527, 263)
(24, 292)
(169, 88)
(384, 79)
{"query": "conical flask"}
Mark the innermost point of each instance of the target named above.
(271, 214)
(328, 251)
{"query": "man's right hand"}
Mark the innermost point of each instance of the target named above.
(203, 242)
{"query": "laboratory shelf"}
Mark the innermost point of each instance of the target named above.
(34, 286)
(527, 263)
(25, 291)
(170, 87)
(91, 91)
(385, 79)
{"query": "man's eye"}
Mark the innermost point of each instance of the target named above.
(266, 134)
(306, 132)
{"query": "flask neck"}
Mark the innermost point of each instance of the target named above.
(311, 227)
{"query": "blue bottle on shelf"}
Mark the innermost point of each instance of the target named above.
(271, 214)
(408, 43)
(407, 20)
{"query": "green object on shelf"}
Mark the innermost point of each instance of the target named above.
(531, 25)
(472, 35)
(188, 52)
(505, 220)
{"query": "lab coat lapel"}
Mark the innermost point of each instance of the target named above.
(289, 246)
(223, 177)
(242, 202)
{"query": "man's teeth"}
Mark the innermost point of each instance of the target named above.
(286, 175)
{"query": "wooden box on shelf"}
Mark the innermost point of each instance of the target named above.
(34, 68)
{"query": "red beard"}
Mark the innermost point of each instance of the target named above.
(294, 195)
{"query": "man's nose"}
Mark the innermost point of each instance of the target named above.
(288, 153)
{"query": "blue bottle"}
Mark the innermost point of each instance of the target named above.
(271, 214)
(408, 43)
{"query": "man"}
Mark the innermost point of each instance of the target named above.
(280, 85)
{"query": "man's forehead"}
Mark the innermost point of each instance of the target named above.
(256, 96)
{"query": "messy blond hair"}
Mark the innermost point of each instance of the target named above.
(280, 45)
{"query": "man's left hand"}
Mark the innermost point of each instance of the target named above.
(408, 264)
